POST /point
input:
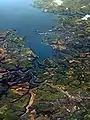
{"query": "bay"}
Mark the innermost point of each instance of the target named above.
(21, 16)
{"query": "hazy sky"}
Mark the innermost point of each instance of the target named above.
(14, 2)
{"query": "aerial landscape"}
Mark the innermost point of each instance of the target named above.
(45, 60)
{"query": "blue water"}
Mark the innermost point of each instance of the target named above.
(20, 15)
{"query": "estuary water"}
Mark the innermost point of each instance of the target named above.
(21, 16)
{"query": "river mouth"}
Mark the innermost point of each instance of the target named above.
(21, 16)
